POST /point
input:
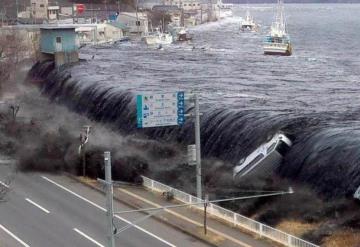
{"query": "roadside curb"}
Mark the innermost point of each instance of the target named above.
(158, 218)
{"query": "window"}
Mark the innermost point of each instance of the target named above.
(252, 163)
(42, 6)
(271, 148)
(58, 39)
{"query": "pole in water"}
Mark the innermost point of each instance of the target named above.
(84, 138)
(205, 206)
(198, 148)
(109, 200)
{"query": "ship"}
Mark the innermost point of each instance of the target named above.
(158, 38)
(278, 41)
(248, 24)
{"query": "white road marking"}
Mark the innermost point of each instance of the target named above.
(14, 236)
(37, 205)
(103, 209)
(4, 184)
(87, 237)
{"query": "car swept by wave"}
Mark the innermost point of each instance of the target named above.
(357, 193)
(265, 159)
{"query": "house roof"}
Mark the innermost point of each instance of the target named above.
(53, 27)
(140, 15)
(119, 25)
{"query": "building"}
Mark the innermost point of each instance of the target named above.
(53, 12)
(136, 23)
(100, 33)
(39, 9)
(187, 5)
(59, 43)
(148, 4)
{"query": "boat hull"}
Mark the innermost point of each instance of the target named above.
(278, 50)
(248, 28)
(156, 40)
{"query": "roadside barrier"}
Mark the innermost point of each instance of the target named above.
(230, 216)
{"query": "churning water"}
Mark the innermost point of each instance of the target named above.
(313, 96)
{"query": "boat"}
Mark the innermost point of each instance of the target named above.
(278, 41)
(248, 24)
(265, 159)
(158, 38)
(183, 35)
(179, 33)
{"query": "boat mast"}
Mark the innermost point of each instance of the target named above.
(281, 17)
(278, 27)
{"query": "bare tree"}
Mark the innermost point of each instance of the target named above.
(13, 49)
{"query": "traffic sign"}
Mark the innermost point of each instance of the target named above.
(80, 8)
(155, 110)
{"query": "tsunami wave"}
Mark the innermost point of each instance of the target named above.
(325, 152)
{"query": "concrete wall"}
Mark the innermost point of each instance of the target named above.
(62, 58)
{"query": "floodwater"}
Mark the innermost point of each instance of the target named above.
(313, 96)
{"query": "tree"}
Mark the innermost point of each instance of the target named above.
(13, 49)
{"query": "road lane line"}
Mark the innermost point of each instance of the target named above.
(14, 236)
(180, 216)
(88, 238)
(37, 205)
(103, 209)
(4, 184)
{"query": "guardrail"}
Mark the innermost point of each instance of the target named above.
(231, 217)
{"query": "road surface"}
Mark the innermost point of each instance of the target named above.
(44, 210)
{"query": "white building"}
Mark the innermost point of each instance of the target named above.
(148, 4)
(53, 12)
(136, 23)
(99, 33)
(187, 5)
(39, 9)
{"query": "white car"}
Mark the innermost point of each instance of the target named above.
(265, 159)
(357, 194)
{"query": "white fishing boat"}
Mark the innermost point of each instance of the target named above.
(158, 38)
(278, 41)
(248, 24)
(179, 33)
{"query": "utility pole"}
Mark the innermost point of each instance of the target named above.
(84, 139)
(137, 17)
(195, 99)
(17, 11)
(109, 200)
(198, 147)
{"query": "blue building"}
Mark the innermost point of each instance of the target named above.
(59, 43)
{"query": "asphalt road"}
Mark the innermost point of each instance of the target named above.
(44, 210)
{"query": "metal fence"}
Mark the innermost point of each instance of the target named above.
(231, 217)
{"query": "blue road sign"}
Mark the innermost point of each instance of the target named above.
(155, 110)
